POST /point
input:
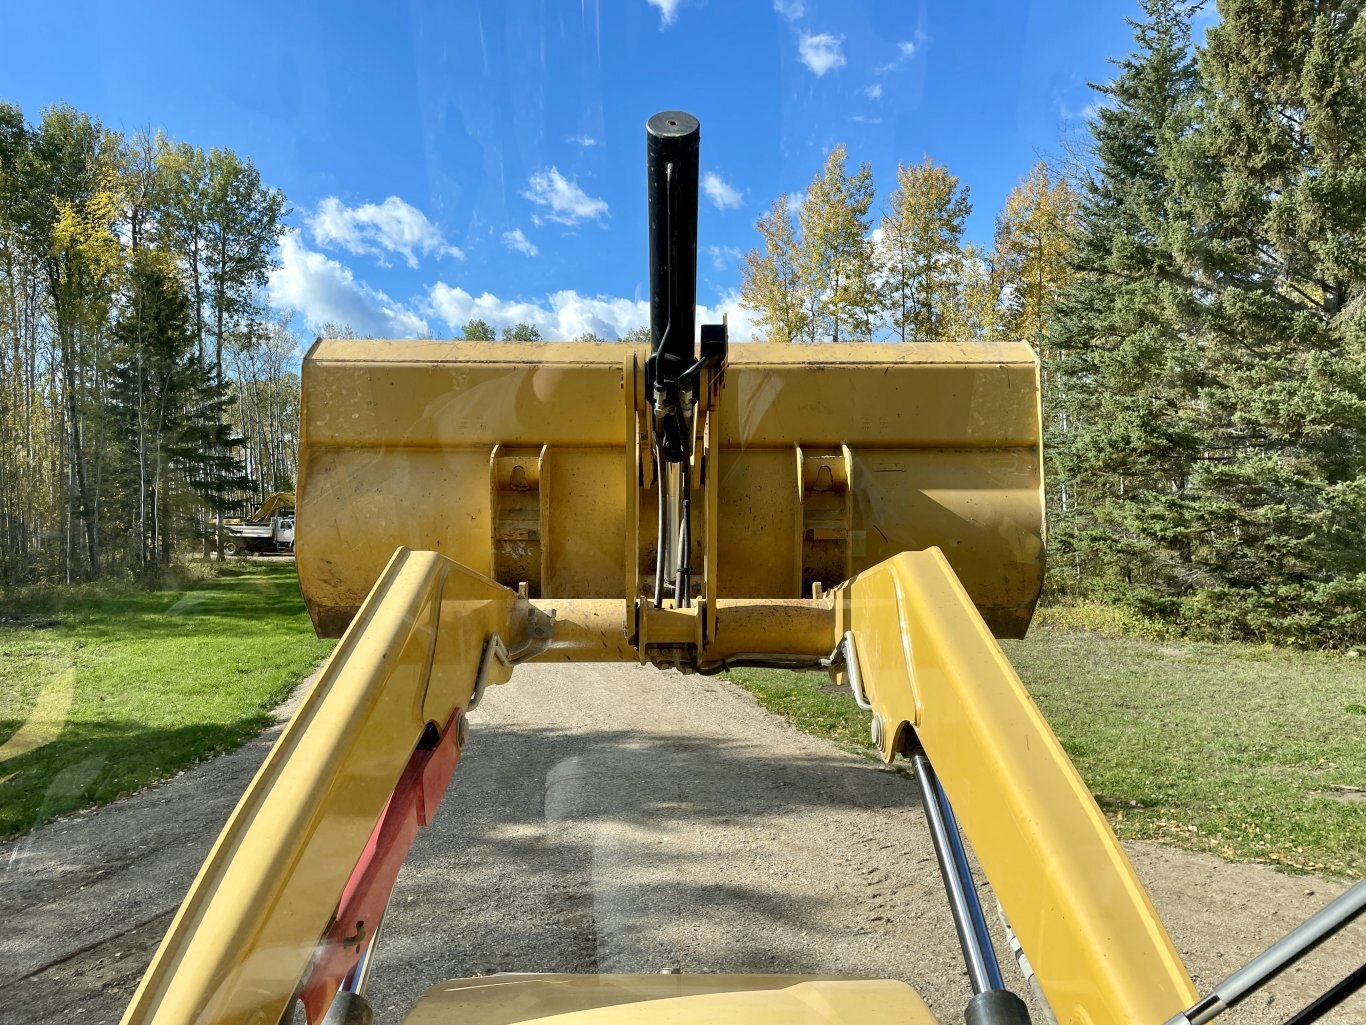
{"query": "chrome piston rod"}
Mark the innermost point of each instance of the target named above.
(1277, 957)
(991, 1003)
(349, 1006)
(984, 973)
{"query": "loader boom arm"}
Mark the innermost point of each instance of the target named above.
(246, 933)
(936, 678)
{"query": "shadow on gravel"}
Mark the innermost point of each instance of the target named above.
(553, 850)
(601, 850)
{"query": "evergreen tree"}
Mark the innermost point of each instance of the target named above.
(1123, 364)
(172, 414)
(921, 250)
(1272, 196)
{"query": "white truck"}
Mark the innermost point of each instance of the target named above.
(275, 536)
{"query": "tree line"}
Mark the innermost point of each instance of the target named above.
(478, 330)
(1195, 286)
(145, 390)
(1207, 370)
(829, 270)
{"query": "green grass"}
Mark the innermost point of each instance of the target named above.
(103, 692)
(1257, 754)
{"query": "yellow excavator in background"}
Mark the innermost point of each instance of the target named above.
(275, 503)
(872, 510)
(269, 529)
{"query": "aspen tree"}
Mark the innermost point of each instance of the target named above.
(836, 255)
(1034, 243)
(921, 250)
(771, 281)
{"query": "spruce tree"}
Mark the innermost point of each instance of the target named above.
(1271, 188)
(1122, 364)
(172, 415)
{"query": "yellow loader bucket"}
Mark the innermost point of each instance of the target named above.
(530, 463)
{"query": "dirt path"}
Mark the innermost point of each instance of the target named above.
(617, 819)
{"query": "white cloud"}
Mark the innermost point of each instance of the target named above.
(796, 200)
(567, 314)
(789, 9)
(563, 315)
(874, 91)
(519, 243)
(668, 11)
(565, 201)
(320, 289)
(906, 49)
(721, 192)
(582, 140)
(865, 119)
(821, 53)
(1086, 113)
(378, 229)
(723, 256)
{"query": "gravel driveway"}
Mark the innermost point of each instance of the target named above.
(612, 818)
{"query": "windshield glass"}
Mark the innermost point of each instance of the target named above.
(811, 510)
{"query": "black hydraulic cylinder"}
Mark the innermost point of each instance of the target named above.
(1332, 998)
(997, 1007)
(984, 974)
(672, 141)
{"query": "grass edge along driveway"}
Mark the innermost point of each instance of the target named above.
(104, 692)
(1257, 754)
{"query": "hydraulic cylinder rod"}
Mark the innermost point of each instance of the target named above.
(1277, 957)
(991, 1003)
(983, 971)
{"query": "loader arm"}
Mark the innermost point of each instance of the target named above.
(937, 680)
(247, 937)
(248, 929)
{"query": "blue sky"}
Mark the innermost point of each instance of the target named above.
(480, 158)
